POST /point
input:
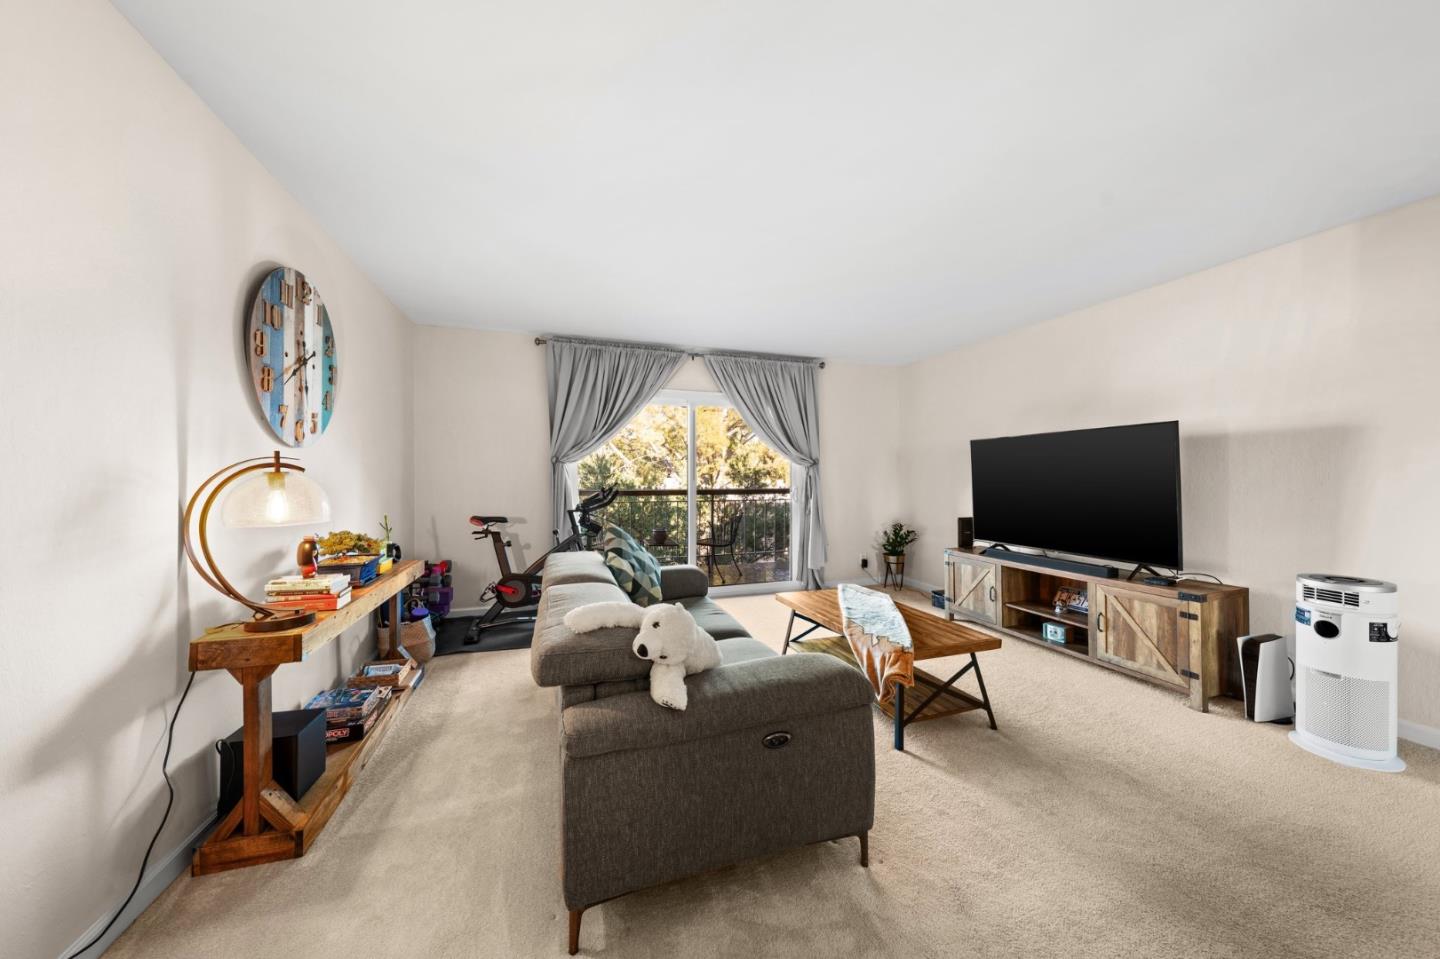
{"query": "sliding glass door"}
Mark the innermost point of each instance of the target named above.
(698, 486)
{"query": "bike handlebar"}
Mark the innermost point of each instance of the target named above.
(579, 515)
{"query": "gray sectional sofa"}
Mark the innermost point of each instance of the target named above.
(773, 752)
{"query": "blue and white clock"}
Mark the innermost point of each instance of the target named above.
(290, 343)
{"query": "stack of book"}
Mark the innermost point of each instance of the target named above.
(349, 712)
(318, 593)
(362, 570)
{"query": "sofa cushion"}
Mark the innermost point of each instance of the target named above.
(683, 582)
(586, 566)
(635, 570)
(766, 692)
(560, 657)
(713, 619)
(741, 649)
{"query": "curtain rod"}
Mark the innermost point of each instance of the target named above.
(693, 354)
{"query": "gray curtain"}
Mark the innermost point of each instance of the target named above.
(777, 398)
(595, 389)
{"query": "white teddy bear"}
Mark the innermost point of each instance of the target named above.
(667, 635)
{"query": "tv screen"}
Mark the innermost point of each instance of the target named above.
(1109, 493)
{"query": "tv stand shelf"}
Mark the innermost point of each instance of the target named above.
(1032, 633)
(1078, 620)
(1180, 636)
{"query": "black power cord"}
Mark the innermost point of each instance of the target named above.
(169, 802)
(1192, 573)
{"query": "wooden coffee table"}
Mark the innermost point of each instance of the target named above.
(932, 637)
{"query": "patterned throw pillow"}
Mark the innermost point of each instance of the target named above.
(634, 569)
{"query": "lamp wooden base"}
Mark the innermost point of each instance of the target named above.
(279, 623)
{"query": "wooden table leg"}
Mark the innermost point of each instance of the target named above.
(259, 737)
(390, 646)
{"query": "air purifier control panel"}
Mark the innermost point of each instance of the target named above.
(1383, 632)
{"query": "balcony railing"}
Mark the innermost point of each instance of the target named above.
(742, 535)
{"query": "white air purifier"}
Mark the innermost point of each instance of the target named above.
(1347, 633)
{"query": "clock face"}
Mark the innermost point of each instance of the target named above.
(291, 347)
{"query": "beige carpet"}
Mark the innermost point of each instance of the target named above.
(1104, 819)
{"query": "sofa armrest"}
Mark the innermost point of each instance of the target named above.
(758, 692)
(683, 582)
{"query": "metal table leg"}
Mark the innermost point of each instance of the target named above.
(984, 696)
(791, 625)
(900, 716)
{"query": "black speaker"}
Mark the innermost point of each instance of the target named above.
(298, 756)
(965, 536)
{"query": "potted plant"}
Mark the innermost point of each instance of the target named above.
(388, 549)
(344, 551)
(344, 543)
(894, 540)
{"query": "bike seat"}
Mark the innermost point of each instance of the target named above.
(488, 520)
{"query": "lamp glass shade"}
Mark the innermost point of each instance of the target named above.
(275, 498)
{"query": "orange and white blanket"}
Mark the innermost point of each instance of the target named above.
(878, 638)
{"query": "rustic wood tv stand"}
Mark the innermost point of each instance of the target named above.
(1180, 636)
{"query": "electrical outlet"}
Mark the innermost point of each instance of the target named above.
(864, 562)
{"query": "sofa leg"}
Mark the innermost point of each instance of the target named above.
(575, 915)
(865, 850)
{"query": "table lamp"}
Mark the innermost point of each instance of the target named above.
(264, 491)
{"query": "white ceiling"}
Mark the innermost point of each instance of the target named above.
(869, 180)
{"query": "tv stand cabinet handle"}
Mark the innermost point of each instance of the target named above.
(1100, 622)
(992, 594)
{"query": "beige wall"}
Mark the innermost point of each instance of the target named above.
(1304, 379)
(133, 228)
(482, 438)
(470, 384)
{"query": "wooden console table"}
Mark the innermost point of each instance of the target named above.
(267, 825)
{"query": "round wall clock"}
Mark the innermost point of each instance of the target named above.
(291, 347)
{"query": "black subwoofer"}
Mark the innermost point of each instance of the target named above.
(298, 756)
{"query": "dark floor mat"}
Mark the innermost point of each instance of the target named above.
(450, 636)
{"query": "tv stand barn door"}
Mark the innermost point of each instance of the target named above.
(972, 587)
(1144, 633)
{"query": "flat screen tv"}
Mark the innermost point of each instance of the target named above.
(1110, 493)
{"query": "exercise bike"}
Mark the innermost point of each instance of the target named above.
(514, 596)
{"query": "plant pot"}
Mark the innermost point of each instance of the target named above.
(659, 537)
(894, 569)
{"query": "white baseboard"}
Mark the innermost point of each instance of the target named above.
(1423, 735)
(865, 580)
(753, 589)
(157, 879)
